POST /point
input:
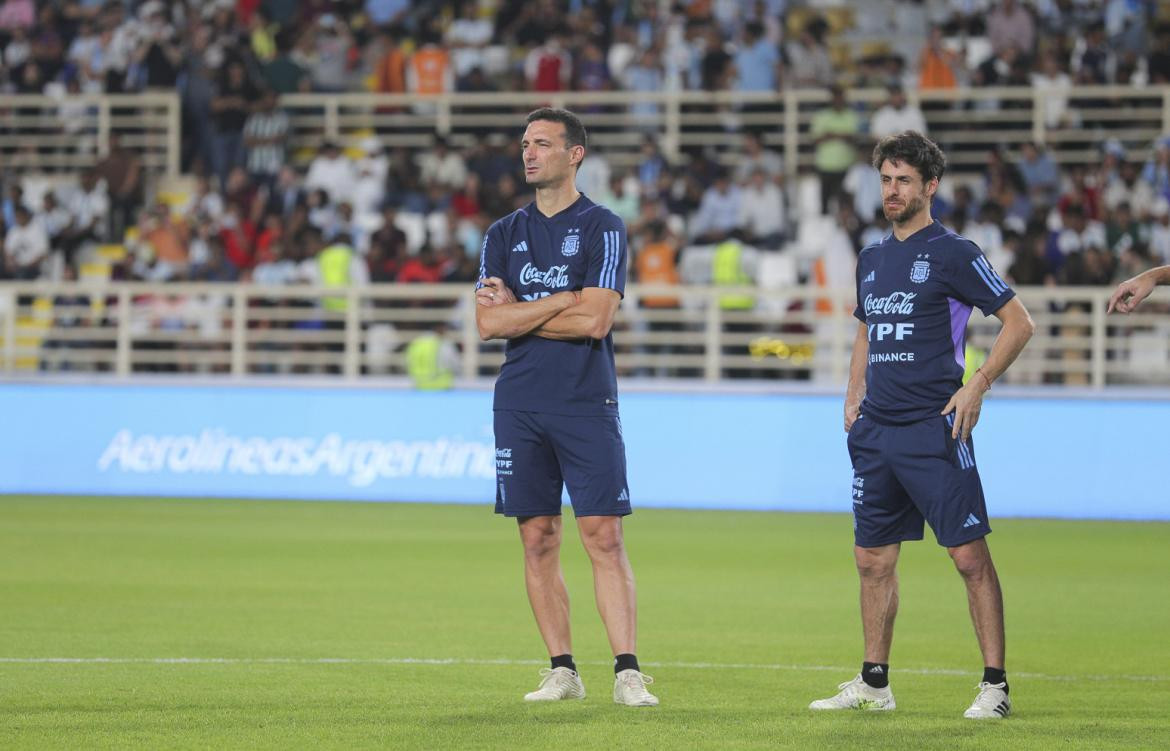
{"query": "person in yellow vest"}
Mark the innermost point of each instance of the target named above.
(431, 360)
(727, 271)
(334, 264)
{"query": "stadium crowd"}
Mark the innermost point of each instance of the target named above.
(419, 216)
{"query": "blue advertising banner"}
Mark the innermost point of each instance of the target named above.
(1038, 457)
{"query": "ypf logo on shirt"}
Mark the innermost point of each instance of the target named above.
(572, 243)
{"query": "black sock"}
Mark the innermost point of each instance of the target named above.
(875, 674)
(625, 662)
(564, 661)
(995, 676)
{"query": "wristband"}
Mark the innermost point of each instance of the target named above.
(985, 378)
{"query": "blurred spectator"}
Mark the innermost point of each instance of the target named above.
(206, 202)
(755, 158)
(548, 67)
(1091, 58)
(762, 212)
(283, 74)
(1156, 171)
(1054, 85)
(1081, 193)
(53, 218)
(896, 116)
(833, 129)
(89, 207)
(426, 268)
(809, 63)
(591, 71)
(1124, 232)
(1010, 25)
(332, 44)
(937, 64)
(757, 62)
(1127, 187)
(863, 182)
(621, 197)
(593, 174)
(389, 62)
(716, 64)
(26, 246)
(429, 71)
(231, 104)
(1040, 174)
(655, 263)
(719, 211)
(157, 60)
(17, 15)
(651, 167)
(331, 171)
(265, 134)
(644, 76)
(121, 170)
(167, 244)
(1160, 231)
(286, 194)
(466, 37)
(442, 165)
(1077, 234)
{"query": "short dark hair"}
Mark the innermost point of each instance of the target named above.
(914, 149)
(575, 134)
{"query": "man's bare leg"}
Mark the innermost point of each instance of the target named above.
(547, 595)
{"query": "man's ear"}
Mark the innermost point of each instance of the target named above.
(577, 151)
(931, 187)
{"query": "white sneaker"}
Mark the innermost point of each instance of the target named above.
(857, 694)
(992, 703)
(557, 684)
(629, 688)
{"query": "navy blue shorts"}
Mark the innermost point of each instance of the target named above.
(539, 454)
(904, 475)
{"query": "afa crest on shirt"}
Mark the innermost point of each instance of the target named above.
(572, 243)
(920, 269)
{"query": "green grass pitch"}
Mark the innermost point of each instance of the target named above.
(305, 619)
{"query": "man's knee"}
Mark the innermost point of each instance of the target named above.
(972, 560)
(541, 536)
(602, 537)
(876, 563)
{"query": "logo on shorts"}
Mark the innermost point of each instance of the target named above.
(572, 243)
(972, 521)
(503, 463)
(858, 489)
(624, 496)
(920, 269)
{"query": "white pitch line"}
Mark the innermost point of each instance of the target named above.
(442, 661)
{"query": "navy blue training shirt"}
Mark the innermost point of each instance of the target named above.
(915, 297)
(582, 246)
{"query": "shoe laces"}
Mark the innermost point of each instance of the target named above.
(985, 698)
(847, 684)
(636, 680)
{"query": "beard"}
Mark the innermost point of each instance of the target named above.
(907, 212)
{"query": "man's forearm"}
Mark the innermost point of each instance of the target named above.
(511, 320)
(571, 324)
(1007, 347)
(1160, 275)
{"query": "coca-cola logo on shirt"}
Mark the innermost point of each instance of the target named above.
(895, 303)
(555, 278)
